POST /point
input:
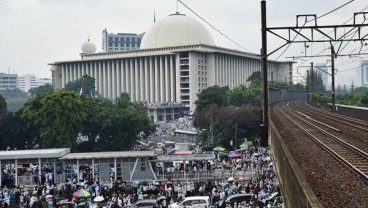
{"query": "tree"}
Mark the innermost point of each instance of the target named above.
(255, 78)
(229, 123)
(15, 98)
(320, 97)
(364, 100)
(15, 134)
(238, 96)
(60, 116)
(41, 89)
(3, 108)
(115, 126)
(215, 95)
(88, 84)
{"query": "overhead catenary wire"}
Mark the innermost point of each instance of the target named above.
(313, 20)
(365, 8)
(213, 26)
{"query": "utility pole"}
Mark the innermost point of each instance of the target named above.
(333, 109)
(265, 114)
(312, 81)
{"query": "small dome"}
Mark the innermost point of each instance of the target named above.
(88, 47)
(176, 30)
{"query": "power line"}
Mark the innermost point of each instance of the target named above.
(314, 20)
(291, 41)
(366, 7)
(213, 26)
(332, 11)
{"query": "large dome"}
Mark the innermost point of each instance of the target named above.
(88, 47)
(176, 30)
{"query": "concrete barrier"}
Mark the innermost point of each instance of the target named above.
(294, 186)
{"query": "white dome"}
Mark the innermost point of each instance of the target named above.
(176, 30)
(88, 47)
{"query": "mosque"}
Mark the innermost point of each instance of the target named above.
(177, 59)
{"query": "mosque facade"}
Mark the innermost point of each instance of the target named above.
(177, 59)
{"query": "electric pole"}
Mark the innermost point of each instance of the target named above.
(333, 109)
(264, 126)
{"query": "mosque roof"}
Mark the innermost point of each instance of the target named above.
(176, 30)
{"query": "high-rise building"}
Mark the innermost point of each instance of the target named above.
(8, 81)
(120, 42)
(177, 59)
(28, 81)
(364, 73)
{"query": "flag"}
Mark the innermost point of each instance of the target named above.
(81, 91)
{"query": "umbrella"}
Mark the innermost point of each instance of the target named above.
(81, 194)
(230, 179)
(233, 154)
(94, 184)
(49, 196)
(80, 184)
(267, 158)
(161, 198)
(98, 199)
(241, 179)
(219, 149)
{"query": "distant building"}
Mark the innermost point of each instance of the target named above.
(364, 73)
(8, 81)
(120, 42)
(28, 81)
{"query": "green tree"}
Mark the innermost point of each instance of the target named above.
(255, 78)
(3, 108)
(15, 134)
(214, 95)
(238, 96)
(364, 100)
(88, 84)
(60, 116)
(15, 98)
(41, 89)
(320, 97)
(115, 125)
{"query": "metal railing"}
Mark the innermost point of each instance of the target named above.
(206, 175)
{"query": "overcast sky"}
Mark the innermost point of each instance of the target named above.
(37, 32)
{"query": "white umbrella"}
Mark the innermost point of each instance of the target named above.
(49, 196)
(230, 179)
(98, 199)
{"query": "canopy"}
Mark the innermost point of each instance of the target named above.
(219, 149)
(233, 154)
(183, 152)
(98, 199)
(81, 194)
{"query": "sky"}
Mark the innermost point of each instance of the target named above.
(37, 32)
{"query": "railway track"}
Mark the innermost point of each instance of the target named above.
(334, 182)
(346, 153)
(355, 123)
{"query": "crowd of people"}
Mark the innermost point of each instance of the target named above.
(255, 163)
(166, 130)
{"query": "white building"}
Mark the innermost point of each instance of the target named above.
(28, 81)
(121, 41)
(8, 81)
(177, 59)
(364, 73)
